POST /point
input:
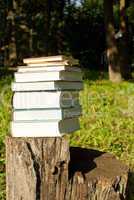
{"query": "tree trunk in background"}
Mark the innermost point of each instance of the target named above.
(12, 37)
(112, 49)
(48, 7)
(124, 42)
(47, 169)
(60, 19)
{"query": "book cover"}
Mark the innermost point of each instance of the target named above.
(58, 58)
(44, 128)
(44, 59)
(47, 76)
(48, 64)
(47, 69)
(58, 99)
(46, 114)
(47, 86)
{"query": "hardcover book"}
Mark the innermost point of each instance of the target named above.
(48, 68)
(47, 76)
(58, 99)
(44, 59)
(47, 86)
(47, 128)
(46, 114)
(59, 58)
(48, 64)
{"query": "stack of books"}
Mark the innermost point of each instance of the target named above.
(46, 97)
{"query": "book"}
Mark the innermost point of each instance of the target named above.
(46, 114)
(58, 58)
(44, 59)
(48, 64)
(47, 69)
(50, 128)
(47, 76)
(58, 99)
(47, 86)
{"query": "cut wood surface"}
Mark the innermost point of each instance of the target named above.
(47, 169)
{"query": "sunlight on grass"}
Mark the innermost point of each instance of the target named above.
(107, 123)
(5, 117)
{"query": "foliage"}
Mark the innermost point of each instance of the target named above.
(55, 27)
(130, 13)
(85, 35)
(52, 27)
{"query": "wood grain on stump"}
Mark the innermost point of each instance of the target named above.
(47, 169)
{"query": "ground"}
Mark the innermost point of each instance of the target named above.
(107, 123)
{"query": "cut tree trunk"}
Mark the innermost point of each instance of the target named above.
(47, 169)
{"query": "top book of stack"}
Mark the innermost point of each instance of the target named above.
(51, 60)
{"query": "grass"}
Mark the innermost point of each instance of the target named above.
(5, 117)
(107, 123)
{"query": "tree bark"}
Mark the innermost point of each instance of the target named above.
(112, 49)
(125, 62)
(47, 169)
(60, 20)
(12, 37)
(47, 26)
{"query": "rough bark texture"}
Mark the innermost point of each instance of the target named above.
(117, 48)
(112, 49)
(125, 58)
(46, 169)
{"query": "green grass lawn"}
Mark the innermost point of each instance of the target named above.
(107, 123)
(5, 117)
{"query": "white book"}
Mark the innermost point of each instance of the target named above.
(44, 128)
(48, 64)
(46, 86)
(46, 114)
(47, 69)
(44, 59)
(47, 76)
(38, 100)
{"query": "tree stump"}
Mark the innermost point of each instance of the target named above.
(97, 175)
(47, 169)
